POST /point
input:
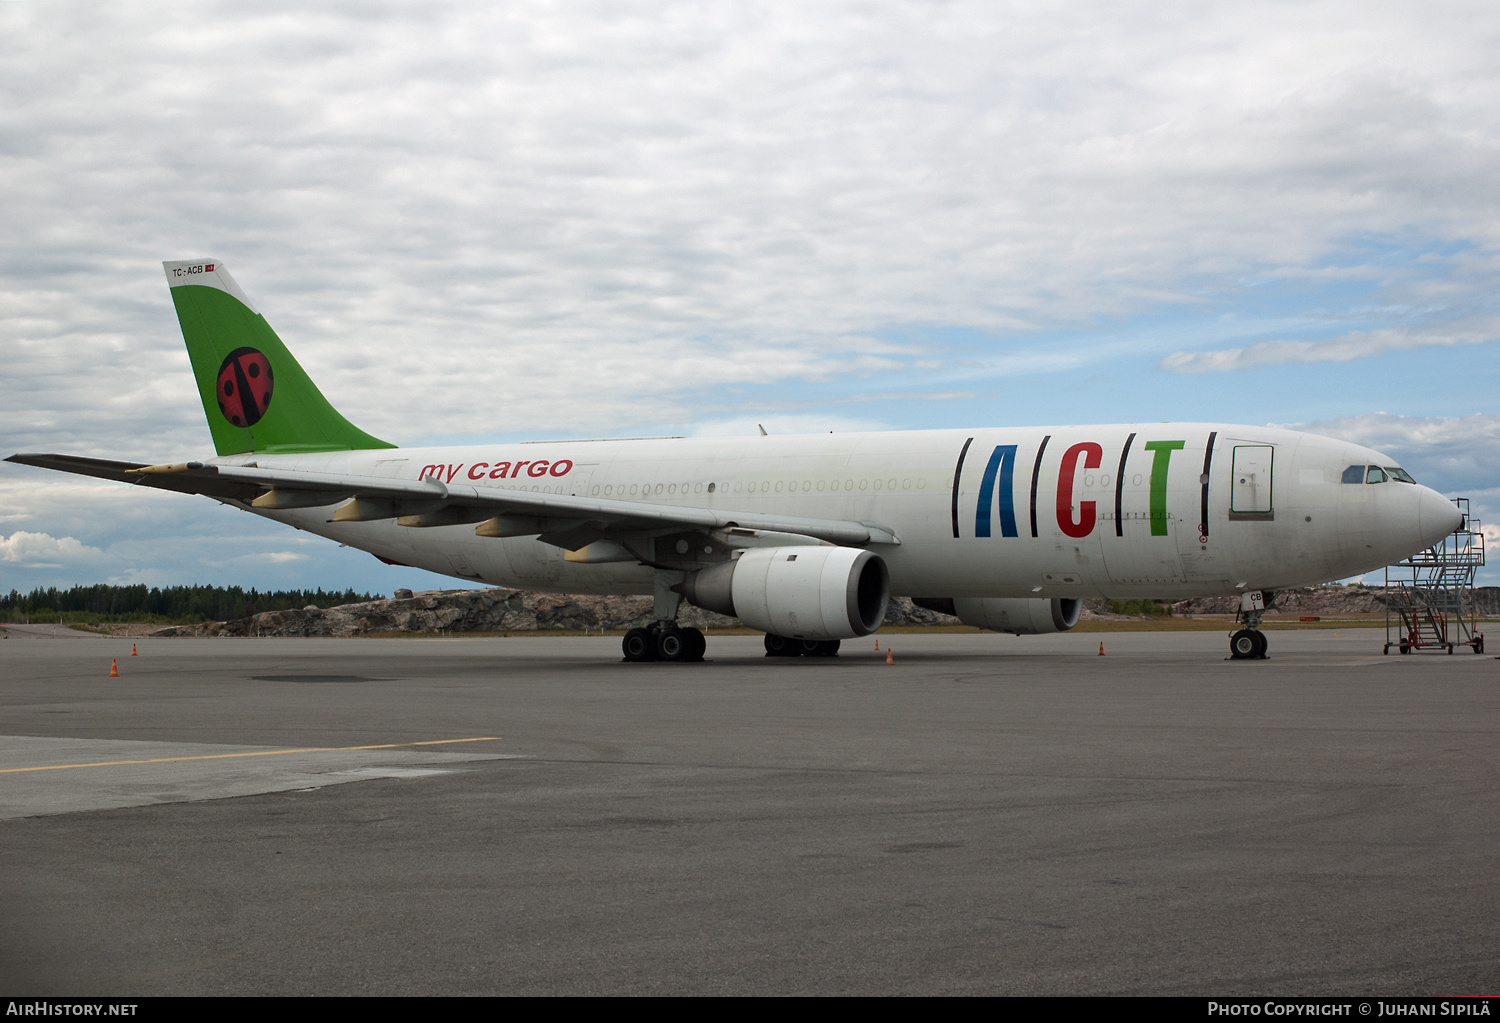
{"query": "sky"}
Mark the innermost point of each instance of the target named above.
(479, 222)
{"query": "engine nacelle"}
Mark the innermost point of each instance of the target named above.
(1023, 616)
(798, 592)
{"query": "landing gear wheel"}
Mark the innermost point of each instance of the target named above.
(696, 644)
(828, 648)
(673, 645)
(1261, 645)
(780, 646)
(1246, 645)
(639, 646)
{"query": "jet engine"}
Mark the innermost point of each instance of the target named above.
(821, 592)
(1023, 616)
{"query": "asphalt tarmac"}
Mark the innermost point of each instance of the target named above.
(988, 815)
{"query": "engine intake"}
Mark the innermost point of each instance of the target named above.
(798, 592)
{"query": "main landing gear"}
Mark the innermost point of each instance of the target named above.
(781, 646)
(664, 641)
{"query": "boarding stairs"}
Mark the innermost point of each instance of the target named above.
(1429, 597)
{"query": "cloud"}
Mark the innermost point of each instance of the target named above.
(1344, 348)
(781, 424)
(583, 219)
(1459, 455)
(275, 557)
(463, 217)
(38, 550)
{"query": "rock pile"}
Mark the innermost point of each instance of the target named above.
(1325, 600)
(503, 610)
(489, 610)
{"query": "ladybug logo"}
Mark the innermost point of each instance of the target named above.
(244, 387)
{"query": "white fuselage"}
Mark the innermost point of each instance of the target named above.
(1031, 512)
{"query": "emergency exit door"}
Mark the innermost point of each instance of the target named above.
(1251, 495)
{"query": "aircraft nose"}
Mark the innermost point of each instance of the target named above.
(1437, 516)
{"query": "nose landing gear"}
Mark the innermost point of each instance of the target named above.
(1249, 643)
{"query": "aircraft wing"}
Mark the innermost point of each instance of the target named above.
(129, 472)
(558, 519)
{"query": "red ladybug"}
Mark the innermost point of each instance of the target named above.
(244, 386)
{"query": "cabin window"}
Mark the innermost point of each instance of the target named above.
(1353, 474)
(711, 488)
(1375, 475)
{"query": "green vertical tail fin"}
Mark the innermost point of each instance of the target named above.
(255, 395)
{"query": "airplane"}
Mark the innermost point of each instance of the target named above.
(805, 538)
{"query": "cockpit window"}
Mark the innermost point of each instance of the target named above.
(1354, 474)
(1398, 473)
(1375, 475)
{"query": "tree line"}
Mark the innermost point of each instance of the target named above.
(178, 604)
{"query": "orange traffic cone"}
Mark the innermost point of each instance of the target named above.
(889, 656)
(877, 644)
(114, 669)
(1101, 648)
(132, 651)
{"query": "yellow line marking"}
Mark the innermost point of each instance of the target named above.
(259, 753)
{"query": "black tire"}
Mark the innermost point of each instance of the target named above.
(1261, 645)
(697, 644)
(809, 647)
(780, 646)
(828, 648)
(1243, 645)
(672, 645)
(1405, 648)
(639, 646)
